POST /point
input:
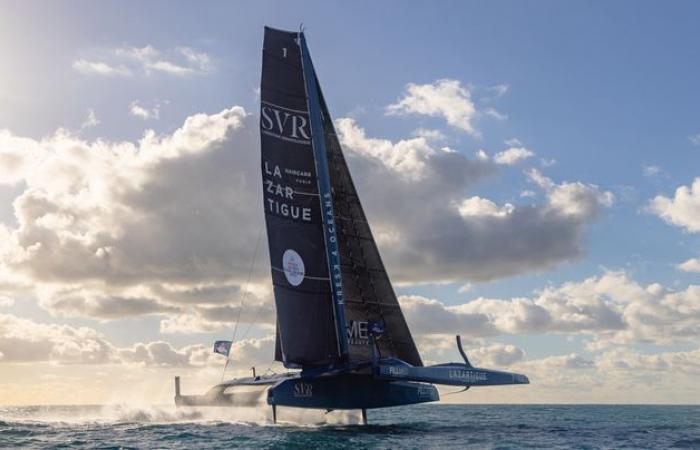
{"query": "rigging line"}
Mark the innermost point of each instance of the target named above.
(257, 310)
(252, 322)
(243, 294)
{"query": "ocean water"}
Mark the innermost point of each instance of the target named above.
(419, 427)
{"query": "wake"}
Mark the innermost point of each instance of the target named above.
(166, 414)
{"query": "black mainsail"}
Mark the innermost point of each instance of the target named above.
(305, 321)
(329, 280)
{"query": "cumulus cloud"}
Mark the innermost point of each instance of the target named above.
(127, 61)
(683, 210)
(118, 229)
(166, 225)
(611, 308)
(429, 230)
(624, 359)
(496, 355)
(445, 98)
(23, 341)
(512, 156)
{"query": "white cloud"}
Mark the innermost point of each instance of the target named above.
(163, 226)
(23, 340)
(137, 109)
(467, 287)
(691, 265)
(683, 210)
(622, 359)
(460, 237)
(611, 308)
(100, 68)
(695, 139)
(480, 207)
(512, 155)
(6, 301)
(90, 121)
(496, 355)
(118, 229)
(652, 171)
(429, 134)
(547, 162)
(18, 155)
(100, 306)
(513, 142)
(126, 61)
(496, 114)
(481, 155)
(445, 98)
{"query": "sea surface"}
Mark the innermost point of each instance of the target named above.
(419, 427)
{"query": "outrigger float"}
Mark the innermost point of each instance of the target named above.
(339, 323)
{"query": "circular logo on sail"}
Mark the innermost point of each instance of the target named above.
(293, 267)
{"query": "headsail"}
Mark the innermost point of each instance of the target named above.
(369, 296)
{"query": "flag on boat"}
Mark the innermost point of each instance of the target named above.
(222, 347)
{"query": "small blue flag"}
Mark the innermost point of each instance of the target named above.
(222, 347)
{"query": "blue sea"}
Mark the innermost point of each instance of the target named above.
(415, 427)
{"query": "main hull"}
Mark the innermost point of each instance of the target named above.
(337, 392)
(349, 392)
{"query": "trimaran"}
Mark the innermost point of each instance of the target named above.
(338, 318)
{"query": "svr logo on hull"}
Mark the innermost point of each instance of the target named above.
(284, 123)
(303, 390)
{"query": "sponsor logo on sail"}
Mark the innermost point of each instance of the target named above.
(293, 267)
(288, 124)
(358, 332)
(279, 197)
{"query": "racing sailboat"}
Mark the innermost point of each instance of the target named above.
(339, 323)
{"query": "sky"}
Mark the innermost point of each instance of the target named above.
(529, 170)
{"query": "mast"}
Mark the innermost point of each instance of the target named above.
(325, 196)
